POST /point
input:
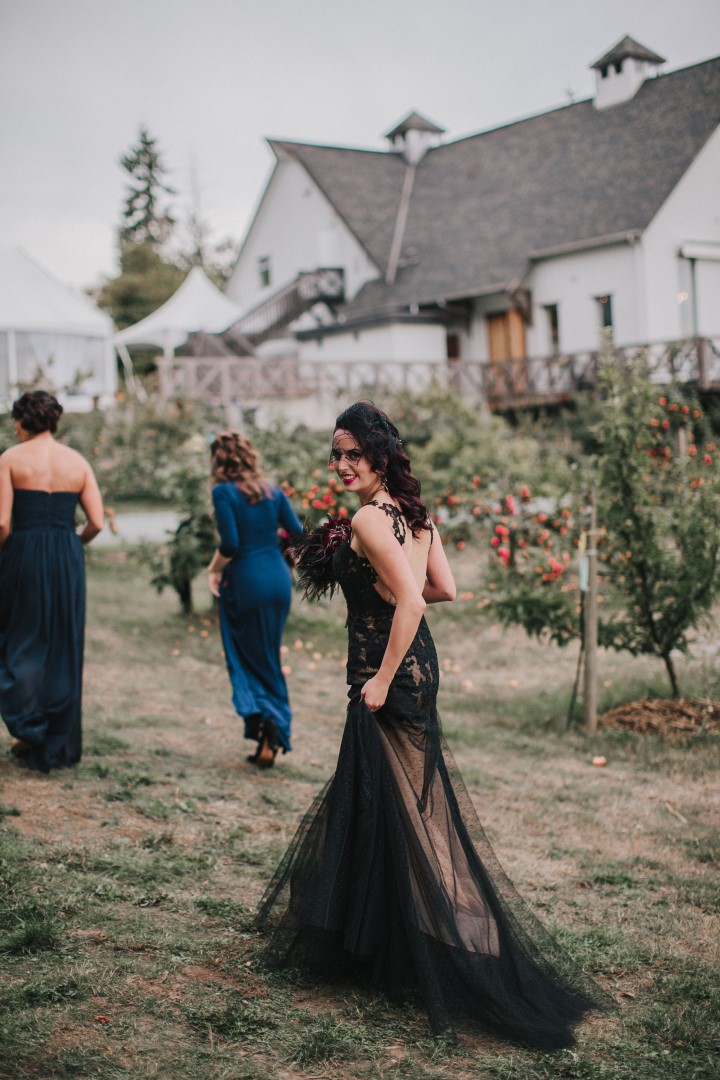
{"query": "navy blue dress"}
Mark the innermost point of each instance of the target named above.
(42, 628)
(255, 594)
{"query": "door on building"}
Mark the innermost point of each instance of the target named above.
(506, 348)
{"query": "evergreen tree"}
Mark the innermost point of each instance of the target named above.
(146, 278)
(145, 219)
(144, 283)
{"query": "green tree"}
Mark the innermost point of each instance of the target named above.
(147, 277)
(145, 218)
(191, 546)
(146, 280)
(657, 479)
(660, 504)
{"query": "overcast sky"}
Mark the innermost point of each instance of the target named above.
(212, 78)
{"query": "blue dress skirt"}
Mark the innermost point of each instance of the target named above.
(255, 594)
(42, 627)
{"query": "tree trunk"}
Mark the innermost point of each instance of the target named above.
(184, 590)
(671, 675)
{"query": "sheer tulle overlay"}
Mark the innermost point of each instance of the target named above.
(390, 876)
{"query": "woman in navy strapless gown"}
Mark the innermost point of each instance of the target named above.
(42, 585)
(252, 581)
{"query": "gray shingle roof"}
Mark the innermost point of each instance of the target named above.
(628, 47)
(482, 207)
(415, 122)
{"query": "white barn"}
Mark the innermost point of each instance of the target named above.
(522, 241)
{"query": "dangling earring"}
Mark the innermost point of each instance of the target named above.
(383, 481)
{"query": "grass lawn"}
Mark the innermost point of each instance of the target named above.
(129, 881)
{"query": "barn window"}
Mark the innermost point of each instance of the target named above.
(605, 311)
(553, 326)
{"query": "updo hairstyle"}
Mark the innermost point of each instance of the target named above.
(234, 460)
(380, 443)
(37, 411)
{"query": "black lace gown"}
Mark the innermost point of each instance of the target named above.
(390, 876)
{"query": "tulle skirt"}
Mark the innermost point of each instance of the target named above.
(391, 879)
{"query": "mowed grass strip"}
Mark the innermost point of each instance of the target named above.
(130, 881)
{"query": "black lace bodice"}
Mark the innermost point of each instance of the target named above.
(370, 619)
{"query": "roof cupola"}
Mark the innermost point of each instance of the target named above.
(620, 73)
(414, 136)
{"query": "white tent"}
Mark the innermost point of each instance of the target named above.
(197, 306)
(53, 336)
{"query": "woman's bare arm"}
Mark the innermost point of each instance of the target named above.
(91, 502)
(439, 580)
(6, 499)
(380, 546)
(215, 569)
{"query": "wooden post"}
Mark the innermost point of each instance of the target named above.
(590, 682)
(702, 345)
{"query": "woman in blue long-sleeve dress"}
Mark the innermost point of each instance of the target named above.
(252, 581)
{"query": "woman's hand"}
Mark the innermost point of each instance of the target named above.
(374, 692)
(215, 572)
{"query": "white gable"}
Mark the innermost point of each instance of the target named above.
(681, 271)
(296, 229)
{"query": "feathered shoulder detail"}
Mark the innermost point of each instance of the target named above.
(314, 552)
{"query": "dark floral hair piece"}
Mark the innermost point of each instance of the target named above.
(314, 554)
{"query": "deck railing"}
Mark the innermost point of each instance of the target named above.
(501, 385)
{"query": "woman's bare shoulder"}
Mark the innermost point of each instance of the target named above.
(69, 455)
(373, 516)
(7, 455)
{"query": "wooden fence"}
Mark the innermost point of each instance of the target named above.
(501, 385)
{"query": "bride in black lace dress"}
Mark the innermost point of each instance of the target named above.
(390, 876)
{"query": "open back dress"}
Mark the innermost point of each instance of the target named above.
(390, 877)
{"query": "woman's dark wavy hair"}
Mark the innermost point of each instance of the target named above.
(379, 441)
(37, 411)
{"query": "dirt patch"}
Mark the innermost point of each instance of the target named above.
(178, 985)
(656, 716)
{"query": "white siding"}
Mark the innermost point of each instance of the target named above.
(297, 229)
(395, 341)
(573, 282)
(691, 213)
(475, 344)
